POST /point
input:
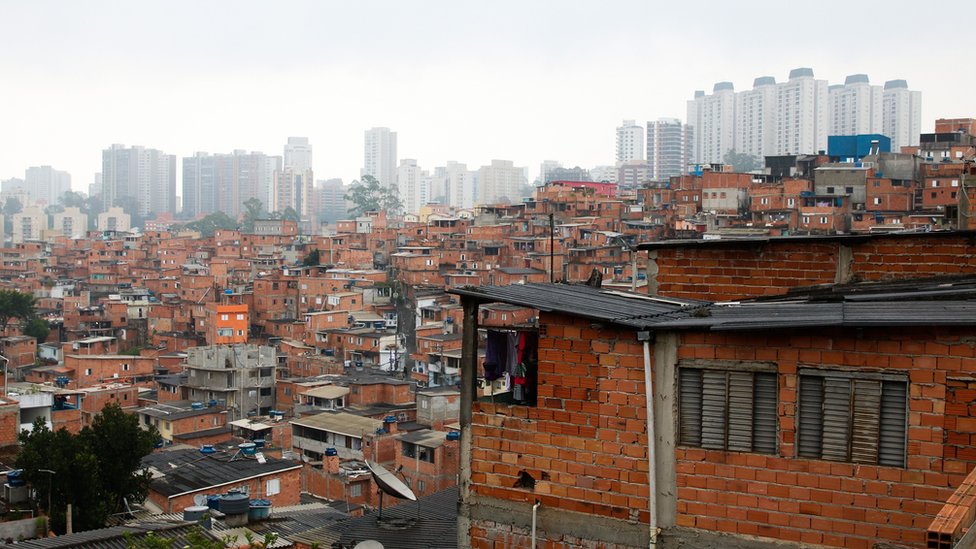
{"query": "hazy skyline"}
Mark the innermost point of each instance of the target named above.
(523, 81)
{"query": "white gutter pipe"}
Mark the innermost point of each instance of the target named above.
(651, 469)
(535, 508)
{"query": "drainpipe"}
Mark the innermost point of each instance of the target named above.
(535, 509)
(645, 337)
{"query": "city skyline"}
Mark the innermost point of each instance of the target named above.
(84, 77)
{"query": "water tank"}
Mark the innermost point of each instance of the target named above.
(213, 501)
(16, 478)
(207, 449)
(258, 442)
(233, 503)
(195, 512)
(259, 509)
(331, 452)
(248, 448)
(211, 403)
(453, 435)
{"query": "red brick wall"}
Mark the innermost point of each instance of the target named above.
(731, 271)
(834, 503)
(9, 423)
(290, 485)
(585, 443)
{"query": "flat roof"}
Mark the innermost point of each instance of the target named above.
(341, 423)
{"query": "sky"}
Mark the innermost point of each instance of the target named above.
(521, 80)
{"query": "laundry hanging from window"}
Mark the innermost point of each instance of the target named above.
(512, 356)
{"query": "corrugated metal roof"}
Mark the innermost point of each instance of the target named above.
(341, 423)
(114, 537)
(328, 392)
(633, 310)
(182, 471)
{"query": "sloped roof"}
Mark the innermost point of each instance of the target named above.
(184, 471)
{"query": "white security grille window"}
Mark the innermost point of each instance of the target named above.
(721, 407)
(272, 487)
(861, 418)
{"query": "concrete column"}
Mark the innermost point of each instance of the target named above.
(665, 416)
(469, 376)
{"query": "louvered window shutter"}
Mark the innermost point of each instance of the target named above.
(811, 417)
(740, 411)
(690, 412)
(764, 426)
(836, 419)
(714, 409)
(894, 410)
(865, 424)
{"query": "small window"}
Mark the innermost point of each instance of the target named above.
(728, 409)
(849, 190)
(355, 490)
(224, 317)
(857, 418)
(823, 220)
(240, 317)
(830, 190)
(272, 487)
(88, 371)
(877, 200)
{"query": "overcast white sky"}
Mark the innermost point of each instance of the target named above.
(521, 80)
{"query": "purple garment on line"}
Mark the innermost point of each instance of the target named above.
(495, 355)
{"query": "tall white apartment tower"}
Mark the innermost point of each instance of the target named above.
(146, 176)
(410, 182)
(902, 114)
(712, 120)
(667, 148)
(801, 115)
(460, 184)
(45, 184)
(855, 107)
(380, 155)
(500, 182)
(298, 154)
(755, 118)
(630, 143)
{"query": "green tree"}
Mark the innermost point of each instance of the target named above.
(12, 206)
(211, 223)
(14, 304)
(313, 258)
(369, 195)
(741, 162)
(289, 214)
(38, 328)
(95, 471)
(253, 210)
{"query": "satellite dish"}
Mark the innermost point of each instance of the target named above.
(389, 483)
(200, 500)
(369, 544)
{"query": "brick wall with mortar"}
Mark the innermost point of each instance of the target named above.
(585, 443)
(836, 503)
(725, 270)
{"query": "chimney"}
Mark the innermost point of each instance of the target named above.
(332, 461)
(390, 424)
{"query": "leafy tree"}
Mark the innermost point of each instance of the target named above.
(253, 210)
(14, 304)
(95, 471)
(741, 162)
(38, 328)
(289, 214)
(313, 258)
(12, 206)
(370, 195)
(211, 223)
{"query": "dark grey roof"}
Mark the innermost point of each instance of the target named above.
(190, 471)
(290, 522)
(114, 537)
(429, 524)
(759, 240)
(633, 310)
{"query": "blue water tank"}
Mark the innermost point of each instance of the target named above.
(212, 402)
(248, 448)
(213, 501)
(258, 442)
(208, 449)
(453, 435)
(16, 478)
(259, 509)
(197, 406)
(331, 452)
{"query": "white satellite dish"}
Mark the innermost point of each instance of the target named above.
(200, 500)
(369, 544)
(389, 483)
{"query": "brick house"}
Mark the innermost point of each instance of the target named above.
(179, 475)
(838, 416)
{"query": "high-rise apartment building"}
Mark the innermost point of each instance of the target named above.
(71, 223)
(293, 189)
(145, 176)
(667, 148)
(796, 116)
(460, 184)
(45, 184)
(713, 119)
(413, 184)
(298, 154)
(29, 224)
(224, 182)
(380, 155)
(801, 114)
(755, 117)
(630, 142)
(855, 107)
(330, 201)
(902, 116)
(500, 181)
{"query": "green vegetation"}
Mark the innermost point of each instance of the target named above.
(369, 195)
(96, 471)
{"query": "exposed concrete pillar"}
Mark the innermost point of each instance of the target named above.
(469, 376)
(651, 271)
(665, 413)
(845, 264)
